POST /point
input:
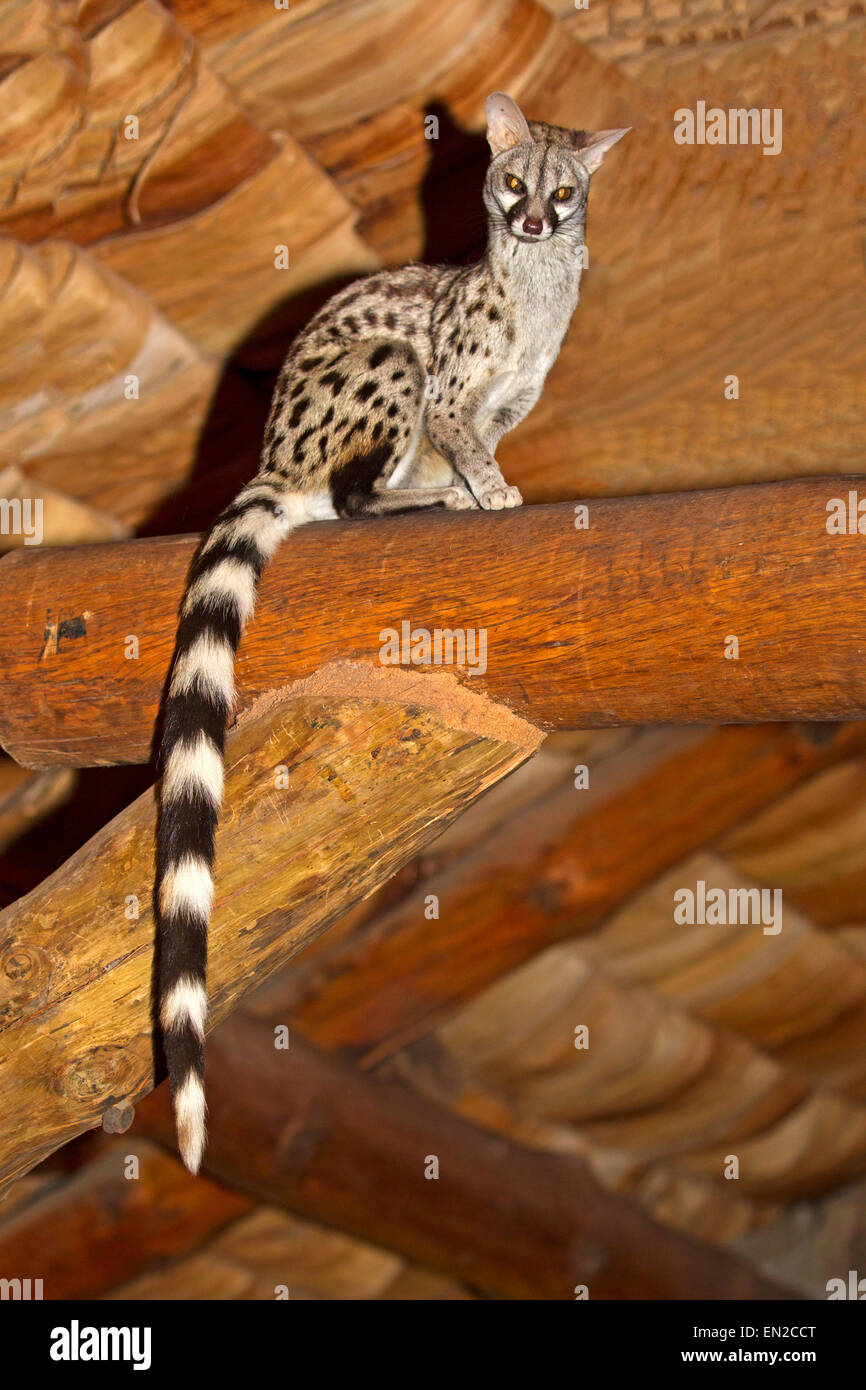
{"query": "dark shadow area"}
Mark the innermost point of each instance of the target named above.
(100, 794)
(230, 442)
(455, 223)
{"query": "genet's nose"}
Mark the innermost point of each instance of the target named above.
(533, 226)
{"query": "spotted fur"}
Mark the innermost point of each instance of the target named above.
(394, 397)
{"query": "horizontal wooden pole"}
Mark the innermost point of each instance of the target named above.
(310, 1133)
(630, 621)
(327, 797)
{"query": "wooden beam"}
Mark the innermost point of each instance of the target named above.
(630, 621)
(101, 1227)
(337, 1146)
(555, 871)
(28, 797)
(328, 795)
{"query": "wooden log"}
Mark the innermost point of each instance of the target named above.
(630, 621)
(237, 236)
(326, 797)
(102, 1232)
(69, 167)
(100, 1228)
(59, 519)
(76, 334)
(28, 797)
(334, 1145)
(269, 1250)
(555, 871)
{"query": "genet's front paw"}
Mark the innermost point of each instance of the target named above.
(500, 495)
(458, 499)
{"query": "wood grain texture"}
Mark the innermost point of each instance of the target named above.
(414, 192)
(72, 165)
(103, 1227)
(62, 520)
(28, 797)
(268, 1251)
(237, 238)
(107, 1228)
(697, 272)
(326, 798)
(336, 1146)
(702, 1046)
(201, 196)
(704, 1041)
(625, 622)
(80, 341)
(554, 871)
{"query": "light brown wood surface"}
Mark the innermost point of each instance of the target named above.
(326, 798)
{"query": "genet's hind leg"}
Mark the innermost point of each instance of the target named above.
(407, 499)
(376, 423)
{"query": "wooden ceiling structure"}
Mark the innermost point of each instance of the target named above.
(153, 156)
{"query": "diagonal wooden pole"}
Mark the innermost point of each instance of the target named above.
(327, 796)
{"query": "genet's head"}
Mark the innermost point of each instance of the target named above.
(538, 179)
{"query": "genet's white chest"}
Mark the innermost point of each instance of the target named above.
(524, 370)
(499, 391)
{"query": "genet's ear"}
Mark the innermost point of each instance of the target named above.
(506, 123)
(598, 145)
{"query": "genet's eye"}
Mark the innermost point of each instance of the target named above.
(514, 183)
(563, 194)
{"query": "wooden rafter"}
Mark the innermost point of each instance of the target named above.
(555, 871)
(631, 620)
(329, 795)
(334, 1145)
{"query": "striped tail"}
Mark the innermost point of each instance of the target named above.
(219, 602)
